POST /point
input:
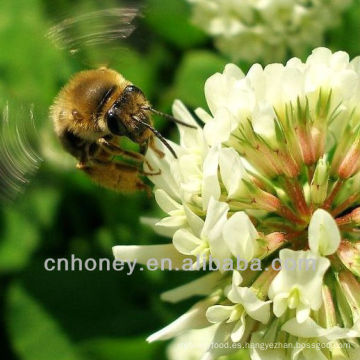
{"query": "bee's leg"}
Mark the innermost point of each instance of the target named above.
(132, 155)
(149, 173)
(143, 149)
(116, 150)
(152, 145)
(115, 176)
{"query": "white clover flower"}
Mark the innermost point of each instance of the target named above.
(266, 29)
(274, 175)
(246, 303)
(204, 238)
(298, 284)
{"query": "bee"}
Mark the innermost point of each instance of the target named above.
(91, 114)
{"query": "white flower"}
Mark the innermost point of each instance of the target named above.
(194, 318)
(233, 173)
(298, 284)
(310, 329)
(205, 238)
(240, 236)
(273, 174)
(265, 29)
(246, 304)
(191, 345)
(324, 234)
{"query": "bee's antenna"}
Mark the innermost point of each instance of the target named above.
(157, 134)
(168, 117)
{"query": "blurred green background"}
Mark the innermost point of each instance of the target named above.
(94, 315)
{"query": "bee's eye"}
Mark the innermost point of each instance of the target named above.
(115, 124)
(132, 88)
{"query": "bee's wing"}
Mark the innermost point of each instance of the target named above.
(19, 157)
(101, 27)
(19, 140)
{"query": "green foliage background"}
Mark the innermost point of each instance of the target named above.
(94, 315)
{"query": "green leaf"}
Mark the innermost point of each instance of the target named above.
(19, 239)
(34, 334)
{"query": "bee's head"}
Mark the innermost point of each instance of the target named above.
(129, 115)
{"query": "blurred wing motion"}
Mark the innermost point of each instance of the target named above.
(93, 28)
(19, 158)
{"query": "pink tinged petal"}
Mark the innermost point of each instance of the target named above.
(349, 254)
(240, 236)
(185, 241)
(324, 234)
(143, 253)
(203, 286)
(193, 319)
(210, 182)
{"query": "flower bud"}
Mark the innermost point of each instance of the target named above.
(327, 310)
(319, 183)
(350, 163)
(349, 254)
(270, 243)
(351, 290)
(262, 283)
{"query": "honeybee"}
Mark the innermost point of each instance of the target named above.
(91, 114)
